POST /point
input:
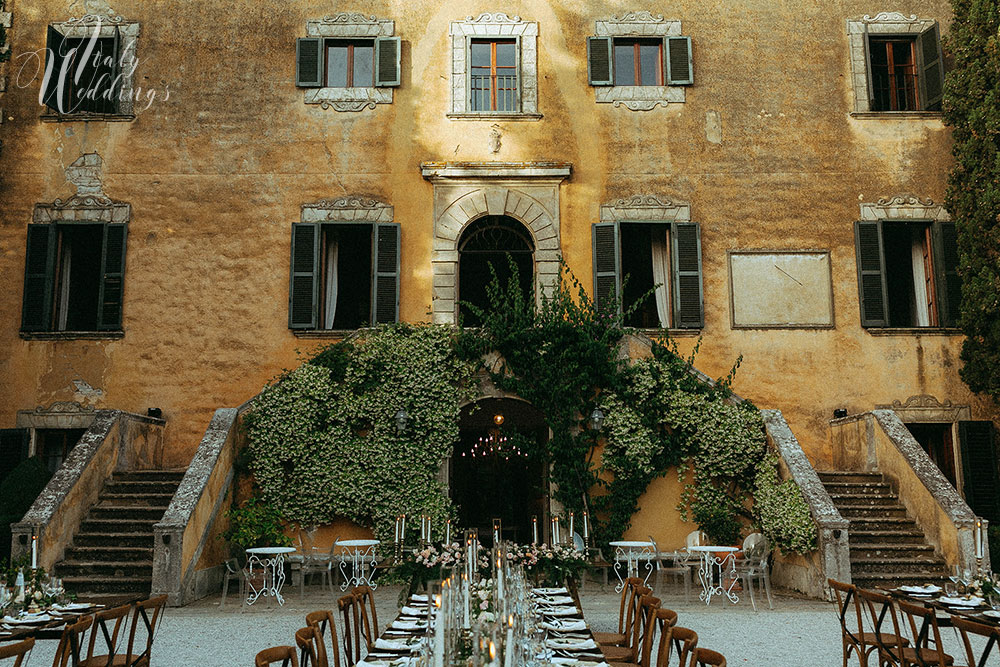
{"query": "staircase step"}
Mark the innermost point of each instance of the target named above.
(103, 511)
(110, 552)
(87, 587)
(852, 488)
(140, 486)
(841, 476)
(873, 512)
(892, 523)
(106, 540)
(862, 499)
(118, 525)
(859, 551)
(96, 569)
(141, 499)
(150, 476)
(929, 565)
(894, 580)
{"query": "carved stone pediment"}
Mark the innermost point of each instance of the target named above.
(63, 407)
(904, 207)
(354, 208)
(890, 17)
(646, 208)
(493, 17)
(636, 17)
(89, 204)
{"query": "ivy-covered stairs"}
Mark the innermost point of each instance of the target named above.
(112, 552)
(888, 549)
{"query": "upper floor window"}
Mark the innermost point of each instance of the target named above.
(348, 62)
(90, 67)
(897, 64)
(638, 62)
(493, 75)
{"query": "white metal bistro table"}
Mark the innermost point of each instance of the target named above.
(362, 557)
(270, 561)
(712, 566)
(632, 552)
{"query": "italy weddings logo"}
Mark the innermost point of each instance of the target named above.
(89, 73)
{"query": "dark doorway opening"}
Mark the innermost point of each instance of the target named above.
(497, 471)
(54, 445)
(937, 441)
(492, 241)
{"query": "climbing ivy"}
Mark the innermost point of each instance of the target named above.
(972, 109)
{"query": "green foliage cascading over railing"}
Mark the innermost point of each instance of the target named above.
(972, 109)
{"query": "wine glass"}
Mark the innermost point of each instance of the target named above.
(953, 576)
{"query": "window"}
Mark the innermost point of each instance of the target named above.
(638, 62)
(90, 66)
(348, 62)
(626, 61)
(630, 258)
(54, 445)
(493, 75)
(896, 62)
(486, 248)
(343, 276)
(74, 277)
(907, 273)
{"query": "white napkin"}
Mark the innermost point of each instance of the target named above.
(573, 661)
(991, 613)
(420, 598)
(929, 589)
(558, 601)
(413, 611)
(409, 645)
(30, 618)
(73, 606)
(400, 624)
(559, 611)
(565, 626)
(572, 644)
(960, 602)
(549, 591)
(382, 662)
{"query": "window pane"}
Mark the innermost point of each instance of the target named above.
(364, 60)
(506, 54)
(624, 64)
(649, 64)
(336, 66)
(480, 52)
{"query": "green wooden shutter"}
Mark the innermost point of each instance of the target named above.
(387, 69)
(385, 273)
(871, 273)
(679, 65)
(109, 314)
(947, 280)
(981, 485)
(599, 61)
(53, 93)
(931, 69)
(607, 266)
(309, 62)
(689, 305)
(13, 450)
(39, 274)
(303, 288)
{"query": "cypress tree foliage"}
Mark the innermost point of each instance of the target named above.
(972, 109)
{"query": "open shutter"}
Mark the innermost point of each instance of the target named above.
(387, 61)
(13, 450)
(599, 61)
(385, 274)
(53, 91)
(109, 314)
(871, 273)
(689, 307)
(931, 69)
(39, 273)
(607, 266)
(308, 62)
(303, 288)
(949, 284)
(679, 65)
(980, 476)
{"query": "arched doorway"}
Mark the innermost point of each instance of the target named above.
(486, 242)
(496, 472)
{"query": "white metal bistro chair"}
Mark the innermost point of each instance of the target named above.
(753, 566)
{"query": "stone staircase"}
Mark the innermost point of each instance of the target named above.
(888, 549)
(112, 552)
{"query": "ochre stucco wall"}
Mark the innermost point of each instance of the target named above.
(217, 173)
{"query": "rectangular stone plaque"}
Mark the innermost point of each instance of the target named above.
(781, 289)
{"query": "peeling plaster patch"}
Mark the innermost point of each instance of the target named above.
(713, 127)
(86, 393)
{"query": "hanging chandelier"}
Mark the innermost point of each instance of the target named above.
(495, 443)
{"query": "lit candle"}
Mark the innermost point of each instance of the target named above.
(34, 551)
(508, 648)
(402, 531)
(534, 529)
(395, 539)
(447, 532)
(980, 551)
(493, 652)
(438, 634)
(499, 581)
(465, 595)
(586, 529)
(571, 526)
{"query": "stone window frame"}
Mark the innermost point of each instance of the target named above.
(83, 27)
(349, 25)
(639, 98)
(496, 25)
(883, 24)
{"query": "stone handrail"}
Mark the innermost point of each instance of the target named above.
(808, 573)
(188, 529)
(116, 441)
(878, 441)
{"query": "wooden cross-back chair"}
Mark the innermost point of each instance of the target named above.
(704, 657)
(150, 612)
(118, 616)
(853, 635)
(312, 648)
(369, 617)
(665, 620)
(989, 632)
(927, 649)
(348, 606)
(892, 650)
(324, 623)
(71, 641)
(17, 651)
(687, 642)
(283, 654)
(641, 626)
(625, 611)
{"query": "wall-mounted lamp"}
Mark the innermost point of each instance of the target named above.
(839, 413)
(155, 413)
(402, 419)
(596, 419)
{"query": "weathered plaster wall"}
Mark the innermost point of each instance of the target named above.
(763, 148)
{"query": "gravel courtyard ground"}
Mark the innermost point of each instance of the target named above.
(797, 632)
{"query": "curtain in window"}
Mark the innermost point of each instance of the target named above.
(67, 265)
(920, 311)
(330, 307)
(661, 269)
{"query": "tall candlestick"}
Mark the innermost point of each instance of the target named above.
(571, 527)
(402, 531)
(534, 529)
(980, 551)
(508, 648)
(465, 595)
(586, 529)
(447, 532)
(438, 634)
(34, 551)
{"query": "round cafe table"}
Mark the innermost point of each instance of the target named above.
(631, 552)
(711, 570)
(361, 554)
(270, 563)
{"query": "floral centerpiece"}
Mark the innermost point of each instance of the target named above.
(550, 565)
(422, 566)
(484, 601)
(29, 589)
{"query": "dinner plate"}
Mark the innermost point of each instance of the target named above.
(929, 589)
(991, 613)
(960, 602)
